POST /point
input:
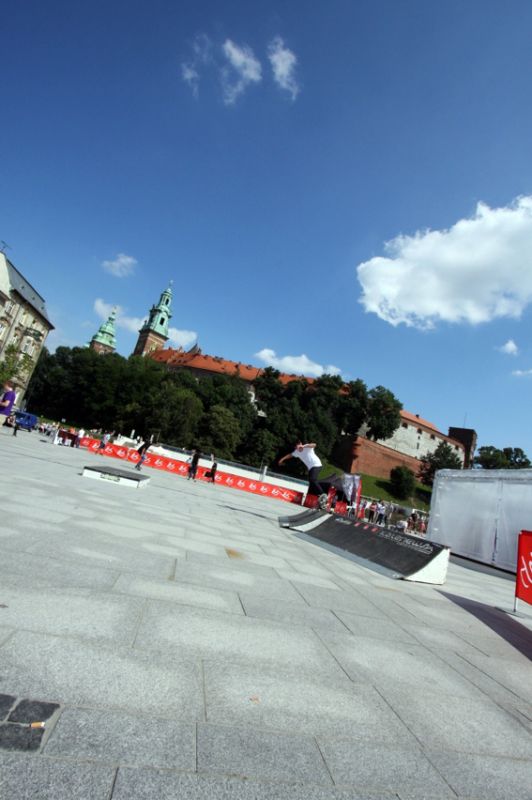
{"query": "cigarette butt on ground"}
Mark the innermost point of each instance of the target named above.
(37, 724)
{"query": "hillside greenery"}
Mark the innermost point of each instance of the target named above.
(214, 413)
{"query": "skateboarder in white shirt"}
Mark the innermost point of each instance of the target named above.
(307, 454)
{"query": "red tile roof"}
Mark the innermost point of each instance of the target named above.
(216, 364)
(195, 359)
(415, 419)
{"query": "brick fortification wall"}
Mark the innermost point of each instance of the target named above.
(376, 459)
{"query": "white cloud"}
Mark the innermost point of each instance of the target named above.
(202, 56)
(283, 63)
(176, 337)
(478, 270)
(521, 373)
(103, 309)
(297, 365)
(510, 348)
(243, 70)
(190, 75)
(121, 266)
(181, 338)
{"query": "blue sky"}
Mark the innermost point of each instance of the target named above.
(346, 181)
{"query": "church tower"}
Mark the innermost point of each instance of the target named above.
(154, 333)
(105, 340)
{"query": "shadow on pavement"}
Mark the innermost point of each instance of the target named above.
(505, 626)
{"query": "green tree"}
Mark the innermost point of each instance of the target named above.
(403, 482)
(516, 458)
(383, 413)
(490, 457)
(220, 432)
(442, 458)
(14, 364)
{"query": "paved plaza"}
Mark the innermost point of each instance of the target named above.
(178, 644)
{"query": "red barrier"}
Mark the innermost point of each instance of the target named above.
(523, 579)
(181, 468)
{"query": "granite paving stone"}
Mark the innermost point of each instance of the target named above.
(339, 600)
(56, 572)
(288, 612)
(373, 768)
(29, 711)
(476, 776)
(6, 701)
(58, 611)
(211, 635)
(306, 578)
(183, 593)
(250, 752)
(23, 777)
(227, 577)
(117, 737)
(292, 702)
(514, 675)
(375, 628)
(150, 784)
(387, 664)
(146, 615)
(460, 723)
(19, 737)
(80, 672)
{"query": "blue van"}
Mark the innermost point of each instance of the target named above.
(26, 421)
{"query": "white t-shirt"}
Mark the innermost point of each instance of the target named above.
(308, 457)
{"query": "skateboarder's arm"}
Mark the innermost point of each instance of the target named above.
(310, 444)
(284, 458)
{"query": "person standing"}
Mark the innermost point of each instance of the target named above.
(193, 468)
(307, 454)
(142, 451)
(8, 400)
(211, 474)
(103, 443)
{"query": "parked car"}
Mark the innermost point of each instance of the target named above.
(25, 420)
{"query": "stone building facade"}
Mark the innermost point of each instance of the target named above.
(24, 321)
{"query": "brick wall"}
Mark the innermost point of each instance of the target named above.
(376, 459)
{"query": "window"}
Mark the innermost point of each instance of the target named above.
(404, 425)
(432, 436)
(419, 431)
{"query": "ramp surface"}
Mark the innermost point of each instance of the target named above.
(299, 521)
(398, 554)
(123, 476)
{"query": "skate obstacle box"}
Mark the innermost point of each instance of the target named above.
(393, 553)
(122, 476)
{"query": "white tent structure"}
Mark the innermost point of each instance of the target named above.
(480, 513)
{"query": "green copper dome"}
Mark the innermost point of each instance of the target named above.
(106, 333)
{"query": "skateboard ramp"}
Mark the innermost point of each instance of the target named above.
(304, 521)
(396, 554)
(122, 476)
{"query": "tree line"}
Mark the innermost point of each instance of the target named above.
(215, 413)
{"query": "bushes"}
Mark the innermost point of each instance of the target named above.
(403, 482)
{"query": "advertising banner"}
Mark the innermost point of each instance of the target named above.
(181, 468)
(523, 581)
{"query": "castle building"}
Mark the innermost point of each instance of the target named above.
(104, 341)
(154, 333)
(414, 439)
(24, 322)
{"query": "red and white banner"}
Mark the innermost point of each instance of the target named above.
(523, 581)
(181, 468)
